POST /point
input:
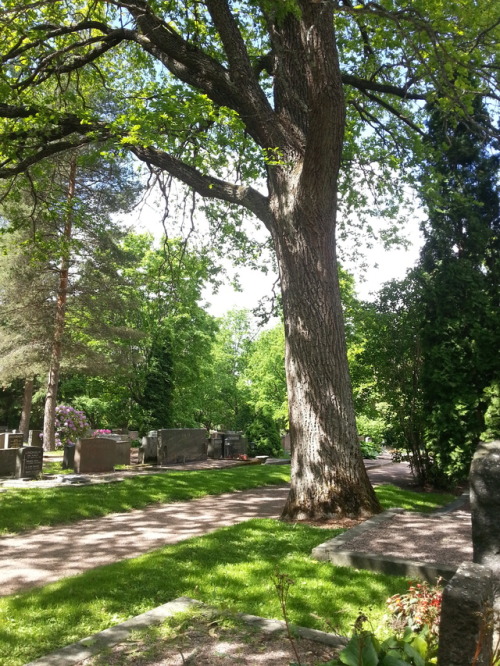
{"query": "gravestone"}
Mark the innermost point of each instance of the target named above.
(115, 436)
(286, 443)
(122, 453)
(485, 505)
(150, 447)
(95, 454)
(34, 438)
(235, 444)
(228, 444)
(13, 440)
(68, 456)
(465, 628)
(179, 445)
(8, 459)
(215, 447)
(2, 440)
(29, 462)
(133, 434)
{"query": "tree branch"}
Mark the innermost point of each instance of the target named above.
(240, 67)
(365, 84)
(207, 186)
(394, 112)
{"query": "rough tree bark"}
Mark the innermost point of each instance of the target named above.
(24, 423)
(49, 417)
(328, 474)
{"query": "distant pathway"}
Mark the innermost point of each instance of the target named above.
(44, 555)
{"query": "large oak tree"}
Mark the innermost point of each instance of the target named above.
(220, 93)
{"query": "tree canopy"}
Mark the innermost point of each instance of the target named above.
(321, 101)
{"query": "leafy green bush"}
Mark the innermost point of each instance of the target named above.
(263, 436)
(370, 450)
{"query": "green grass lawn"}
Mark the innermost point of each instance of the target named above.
(231, 568)
(30, 508)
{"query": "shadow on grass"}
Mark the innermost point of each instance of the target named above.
(230, 568)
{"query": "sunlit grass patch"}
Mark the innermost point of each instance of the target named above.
(392, 496)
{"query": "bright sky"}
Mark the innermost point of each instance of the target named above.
(383, 265)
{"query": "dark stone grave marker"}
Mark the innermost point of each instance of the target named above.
(8, 459)
(29, 462)
(179, 445)
(34, 438)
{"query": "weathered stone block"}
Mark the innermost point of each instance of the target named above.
(150, 448)
(13, 440)
(69, 456)
(485, 505)
(8, 459)
(235, 443)
(177, 445)
(123, 453)
(464, 629)
(94, 455)
(34, 438)
(29, 462)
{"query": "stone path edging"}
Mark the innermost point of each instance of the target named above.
(92, 645)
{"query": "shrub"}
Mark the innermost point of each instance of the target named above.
(70, 424)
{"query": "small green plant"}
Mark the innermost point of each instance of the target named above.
(415, 622)
(420, 607)
(370, 450)
(364, 649)
(282, 582)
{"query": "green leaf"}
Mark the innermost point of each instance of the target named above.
(360, 651)
(415, 656)
(390, 660)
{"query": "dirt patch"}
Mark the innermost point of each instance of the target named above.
(209, 639)
(333, 524)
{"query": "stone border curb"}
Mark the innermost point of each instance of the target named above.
(394, 566)
(93, 645)
(88, 647)
(452, 506)
(270, 626)
(320, 552)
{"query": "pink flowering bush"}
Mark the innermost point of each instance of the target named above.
(102, 431)
(70, 424)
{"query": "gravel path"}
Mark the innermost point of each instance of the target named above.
(440, 539)
(44, 555)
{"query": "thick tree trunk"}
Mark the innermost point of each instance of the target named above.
(49, 442)
(24, 423)
(328, 474)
